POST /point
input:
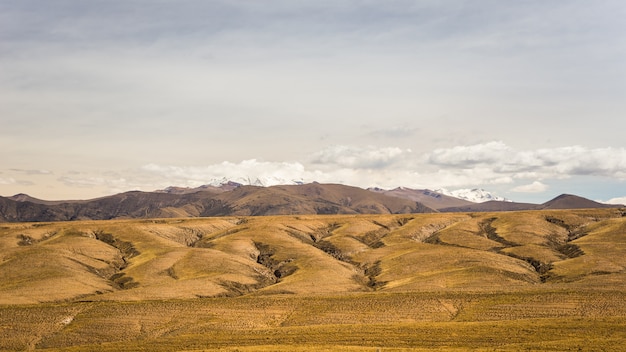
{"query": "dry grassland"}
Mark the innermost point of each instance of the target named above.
(534, 280)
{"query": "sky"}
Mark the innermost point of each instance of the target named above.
(526, 99)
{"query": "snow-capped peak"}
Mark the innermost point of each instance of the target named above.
(476, 195)
(258, 181)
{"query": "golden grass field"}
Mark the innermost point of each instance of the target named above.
(532, 280)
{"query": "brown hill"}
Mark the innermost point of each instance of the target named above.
(569, 201)
(314, 198)
(12, 210)
(234, 256)
(22, 197)
(564, 201)
(311, 198)
(245, 200)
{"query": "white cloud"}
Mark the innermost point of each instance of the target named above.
(560, 162)
(88, 181)
(360, 158)
(7, 181)
(350, 168)
(82, 181)
(618, 201)
(252, 169)
(535, 187)
(451, 177)
(575, 161)
(469, 156)
(492, 164)
(33, 171)
(394, 132)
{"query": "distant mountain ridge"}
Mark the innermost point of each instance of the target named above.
(474, 195)
(564, 201)
(220, 187)
(427, 197)
(259, 181)
(234, 199)
(311, 198)
(570, 201)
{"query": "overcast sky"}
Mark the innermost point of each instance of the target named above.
(526, 99)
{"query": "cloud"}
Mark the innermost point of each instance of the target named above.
(193, 176)
(456, 177)
(560, 162)
(7, 181)
(81, 181)
(469, 156)
(394, 132)
(493, 163)
(360, 157)
(350, 165)
(386, 167)
(535, 187)
(33, 172)
(87, 181)
(199, 82)
(617, 201)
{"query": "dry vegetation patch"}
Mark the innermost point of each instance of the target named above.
(510, 281)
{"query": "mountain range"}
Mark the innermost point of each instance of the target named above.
(235, 199)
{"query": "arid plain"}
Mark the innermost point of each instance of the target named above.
(504, 281)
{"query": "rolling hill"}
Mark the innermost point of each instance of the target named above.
(570, 201)
(509, 281)
(309, 254)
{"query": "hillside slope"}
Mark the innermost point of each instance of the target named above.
(233, 256)
(570, 201)
(564, 201)
(506, 281)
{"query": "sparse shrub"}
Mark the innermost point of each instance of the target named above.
(331, 250)
(25, 240)
(123, 282)
(126, 248)
(403, 221)
(279, 269)
(371, 272)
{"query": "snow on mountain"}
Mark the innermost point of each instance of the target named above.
(228, 184)
(258, 181)
(476, 195)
